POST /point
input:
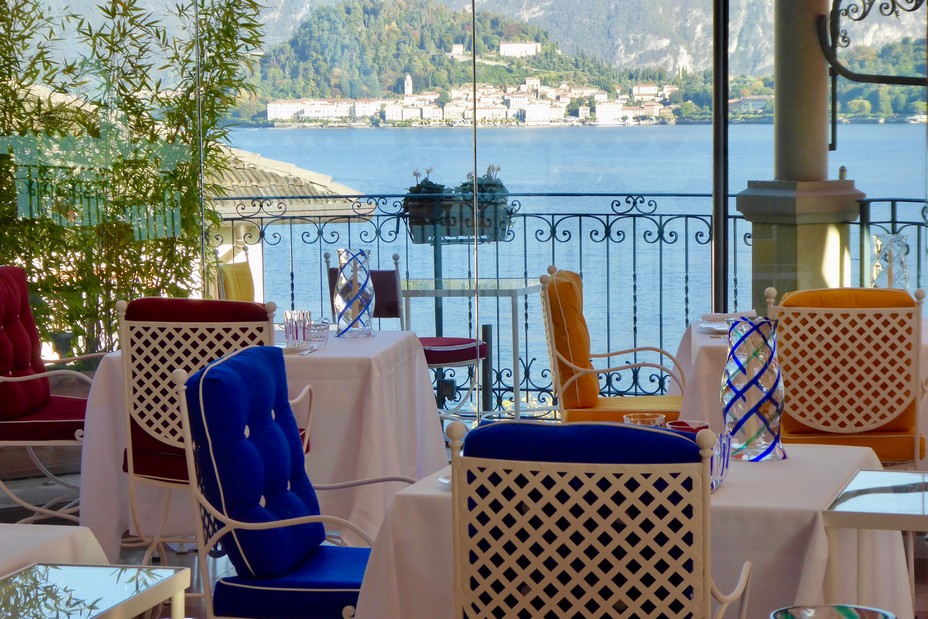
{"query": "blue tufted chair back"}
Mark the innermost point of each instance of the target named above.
(250, 460)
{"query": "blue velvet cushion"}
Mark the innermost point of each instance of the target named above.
(321, 586)
(591, 443)
(251, 459)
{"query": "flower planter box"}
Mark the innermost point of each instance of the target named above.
(435, 214)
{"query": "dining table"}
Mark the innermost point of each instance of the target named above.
(769, 513)
(25, 544)
(374, 414)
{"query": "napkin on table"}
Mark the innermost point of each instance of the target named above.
(713, 317)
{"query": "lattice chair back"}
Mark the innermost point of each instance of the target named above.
(158, 336)
(581, 520)
(851, 365)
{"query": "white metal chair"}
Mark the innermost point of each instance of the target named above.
(255, 501)
(158, 336)
(850, 359)
(584, 520)
(574, 379)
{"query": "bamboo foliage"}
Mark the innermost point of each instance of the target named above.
(118, 106)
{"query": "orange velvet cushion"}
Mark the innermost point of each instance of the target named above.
(572, 339)
(870, 298)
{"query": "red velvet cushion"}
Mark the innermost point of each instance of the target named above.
(452, 350)
(159, 309)
(20, 349)
(59, 419)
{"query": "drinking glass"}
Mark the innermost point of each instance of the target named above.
(655, 420)
(318, 334)
(296, 324)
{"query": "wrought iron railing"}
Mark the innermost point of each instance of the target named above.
(644, 261)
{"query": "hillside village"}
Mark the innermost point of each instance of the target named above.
(530, 103)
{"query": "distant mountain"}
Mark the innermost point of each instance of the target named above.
(674, 34)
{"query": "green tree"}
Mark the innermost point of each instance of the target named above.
(121, 135)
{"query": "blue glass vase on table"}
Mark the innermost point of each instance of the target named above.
(354, 295)
(752, 390)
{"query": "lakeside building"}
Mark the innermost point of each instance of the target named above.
(751, 105)
(519, 49)
(530, 102)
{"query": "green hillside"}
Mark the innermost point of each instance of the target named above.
(364, 48)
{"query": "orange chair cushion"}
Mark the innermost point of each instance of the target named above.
(893, 440)
(615, 408)
(867, 298)
(571, 339)
(237, 281)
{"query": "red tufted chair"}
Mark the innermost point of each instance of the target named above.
(30, 416)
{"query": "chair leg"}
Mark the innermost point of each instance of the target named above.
(64, 505)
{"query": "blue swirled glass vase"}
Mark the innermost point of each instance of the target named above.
(752, 390)
(354, 295)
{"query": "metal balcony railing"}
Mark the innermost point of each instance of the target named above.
(644, 261)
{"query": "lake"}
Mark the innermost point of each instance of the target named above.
(884, 160)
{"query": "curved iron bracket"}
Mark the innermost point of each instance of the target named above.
(831, 37)
(829, 43)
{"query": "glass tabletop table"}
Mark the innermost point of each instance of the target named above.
(91, 591)
(511, 288)
(894, 500)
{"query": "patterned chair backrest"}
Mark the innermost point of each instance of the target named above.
(849, 359)
(20, 348)
(592, 519)
(851, 365)
(158, 336)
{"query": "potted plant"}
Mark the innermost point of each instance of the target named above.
(433, 212)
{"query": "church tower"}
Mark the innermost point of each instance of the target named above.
(407, 85)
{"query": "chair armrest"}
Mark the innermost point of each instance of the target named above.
(740, 591)
(230, 524)
(67, 360)
(676, 371)
(50, 373)
(365, 482)
(675, 374)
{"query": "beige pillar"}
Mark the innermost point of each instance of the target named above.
(800, 231)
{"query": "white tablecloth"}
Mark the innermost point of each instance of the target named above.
(768, 513)
(25, 544)
(374, 414)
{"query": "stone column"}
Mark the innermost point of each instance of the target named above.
(799, 219)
